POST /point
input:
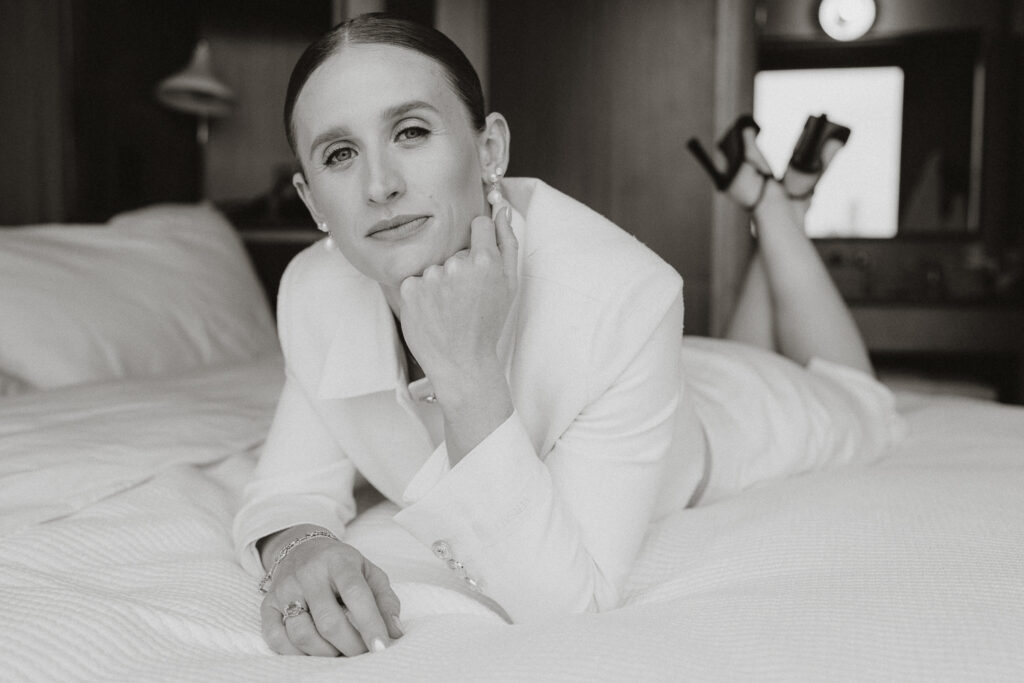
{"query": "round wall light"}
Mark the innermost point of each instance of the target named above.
(846, 19)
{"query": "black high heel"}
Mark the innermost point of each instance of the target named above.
(732, 146)
(807, 153)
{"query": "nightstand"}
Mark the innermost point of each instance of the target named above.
(984, 340)
(271, 249)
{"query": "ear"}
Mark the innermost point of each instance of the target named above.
(306, 195)
(493, 144)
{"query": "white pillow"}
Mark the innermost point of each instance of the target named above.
(155, 291)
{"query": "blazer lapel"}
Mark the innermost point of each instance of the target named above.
(363, 355)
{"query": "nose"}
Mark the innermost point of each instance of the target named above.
(385, 182)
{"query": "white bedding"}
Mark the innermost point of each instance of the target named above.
(910, 569)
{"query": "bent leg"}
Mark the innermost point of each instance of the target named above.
(751, 321)
(810, 317)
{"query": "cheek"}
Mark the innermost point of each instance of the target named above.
(459, 221)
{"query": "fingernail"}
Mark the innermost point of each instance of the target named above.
(508, 213)
(398, 623)
(377, 645)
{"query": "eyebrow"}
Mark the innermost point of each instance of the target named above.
(390, 113)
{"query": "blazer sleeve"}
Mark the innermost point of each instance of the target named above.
(560, 534)
(303, 476)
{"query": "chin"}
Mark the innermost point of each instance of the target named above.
(406, 268)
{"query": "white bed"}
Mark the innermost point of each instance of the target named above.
(117, 492)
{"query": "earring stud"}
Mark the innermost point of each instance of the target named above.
(494, 196)
(329, 242)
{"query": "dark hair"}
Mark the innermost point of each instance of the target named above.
(384, 29)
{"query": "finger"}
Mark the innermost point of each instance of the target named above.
(432, 272)
(482, 236)
(363, 612)
(331, 622)
(508, 245)
(408, 287)
(460, 255)
(274, 632)
(303, 634)
(388, 603)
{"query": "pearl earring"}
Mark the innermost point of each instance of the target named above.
(329, 242)
(494, 196)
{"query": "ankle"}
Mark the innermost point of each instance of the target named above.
(777, 213)
(774, 201)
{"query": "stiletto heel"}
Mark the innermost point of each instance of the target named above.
(732, 146)
(807, 153)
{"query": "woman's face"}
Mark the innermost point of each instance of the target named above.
(392, 162)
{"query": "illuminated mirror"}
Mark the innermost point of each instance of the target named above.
(914, 105)
(859, 195)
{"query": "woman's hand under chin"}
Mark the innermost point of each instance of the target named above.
(452, 317)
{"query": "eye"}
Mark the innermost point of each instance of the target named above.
(411, 133)
(339, 155)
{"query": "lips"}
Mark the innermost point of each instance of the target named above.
(397, 227)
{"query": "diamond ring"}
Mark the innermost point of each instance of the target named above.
(294, 609)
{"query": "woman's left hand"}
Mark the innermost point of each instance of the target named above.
(452, 317)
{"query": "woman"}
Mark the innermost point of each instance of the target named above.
(495, 358)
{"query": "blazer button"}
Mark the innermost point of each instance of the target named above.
(442, 550)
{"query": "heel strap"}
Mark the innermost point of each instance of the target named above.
(799, 197)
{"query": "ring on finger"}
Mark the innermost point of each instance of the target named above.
(294, 609)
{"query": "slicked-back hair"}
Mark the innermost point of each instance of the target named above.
(379, 28)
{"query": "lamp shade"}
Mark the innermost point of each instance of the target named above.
(195, 89)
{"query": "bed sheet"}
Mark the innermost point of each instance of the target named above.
(909, 569)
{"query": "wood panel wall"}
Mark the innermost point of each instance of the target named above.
(131, 150)
(254, 44)
(83, 134)
(37, 164)
(601, 96)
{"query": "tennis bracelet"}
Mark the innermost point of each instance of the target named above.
(319, 533)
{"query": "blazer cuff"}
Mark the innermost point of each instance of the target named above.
(469, 506)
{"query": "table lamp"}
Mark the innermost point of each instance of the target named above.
(195, 90)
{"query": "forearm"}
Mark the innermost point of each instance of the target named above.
(474, 403)
(538, 544)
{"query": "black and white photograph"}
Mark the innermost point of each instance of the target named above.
(512, 340)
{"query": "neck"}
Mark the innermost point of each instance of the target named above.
(394, 299)
(413, 369)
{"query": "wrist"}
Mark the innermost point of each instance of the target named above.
(486, 408)
(314, 534)
(460, 387)
(472, 410)
(270, 546)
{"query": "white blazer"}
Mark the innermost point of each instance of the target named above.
(547, 514)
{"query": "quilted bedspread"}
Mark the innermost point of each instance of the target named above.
(116, 561)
